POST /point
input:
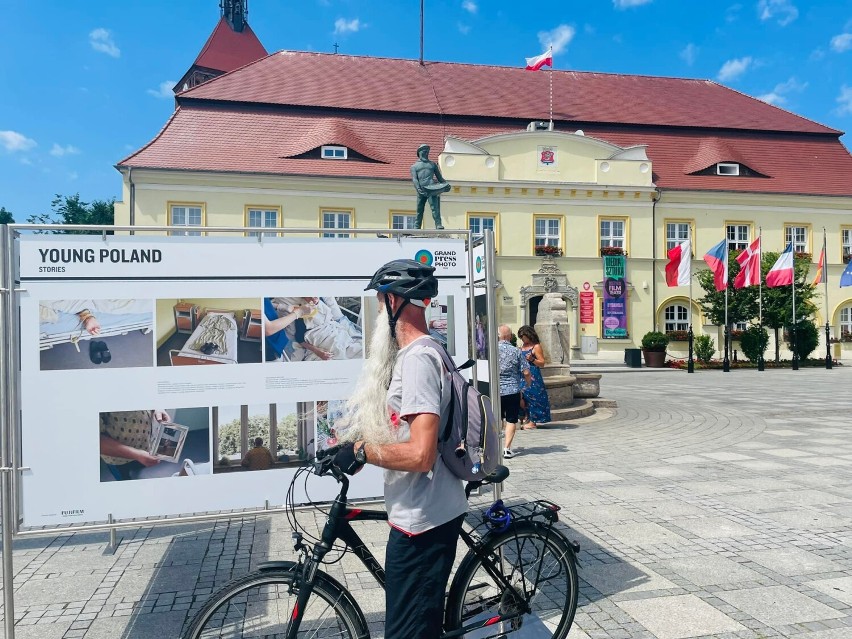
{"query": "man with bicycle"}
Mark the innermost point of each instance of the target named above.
(396, 413)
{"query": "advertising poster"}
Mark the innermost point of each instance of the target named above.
(165, 376)
(587, 307)
(614, 315)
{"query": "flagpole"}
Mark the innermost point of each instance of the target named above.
(551, 87)
(690, 364)
(761, 364)
(828, 362)
(726, 362)
(795, 363)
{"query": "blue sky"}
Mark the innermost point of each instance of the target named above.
(82, 88)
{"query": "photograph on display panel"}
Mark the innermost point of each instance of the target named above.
(263, 436)
(328, 412)
(152, 443)
(481, 328)
(95, 333)
(312, 329)
(198, 331)
(440, 320)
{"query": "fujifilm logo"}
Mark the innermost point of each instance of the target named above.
(73, 513)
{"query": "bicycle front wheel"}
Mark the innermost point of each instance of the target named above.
(261, 604)
(540, 573)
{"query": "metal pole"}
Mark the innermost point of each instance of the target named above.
(828, 362)
(795, 364)
(8, 401)
(761, 363)
(493, 359)
(726, 363)
(690, 364)
(421, 32)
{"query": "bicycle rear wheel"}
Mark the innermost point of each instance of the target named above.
(260, 604)
(541, 571)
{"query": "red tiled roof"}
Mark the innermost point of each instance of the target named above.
(332, 131)
(387, 84)
(713, 150)
(227, 49)
(250, 140)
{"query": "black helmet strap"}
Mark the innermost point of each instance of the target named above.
(393, 317)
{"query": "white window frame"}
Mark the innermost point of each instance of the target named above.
(791, 233)
(547, 237)
(674, 319)
(727, 168)
(331, 152)
(844, 323)
(674, 234)
(477, 224)
(187, 218)
(403, 221)
(611, 238)
(265, 221)
(846, 243)
(741, 234)
(336, 219)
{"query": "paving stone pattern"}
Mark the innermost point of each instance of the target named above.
(710, 505)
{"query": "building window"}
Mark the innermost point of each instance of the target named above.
(478, 224)
(846, 322)
(336, 220)
(738, 237)
(613, 233)
(403, 221)
(185, 215)
(677, 232)
(547, 231)
(261, 218)
(334, 153)
(798, 236)
(676, 318)
(846, 241)
(727, 168)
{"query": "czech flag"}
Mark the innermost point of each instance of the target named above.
(781, 274)
(678, 269)
(543, 60)
(717, 260)
(749, 261)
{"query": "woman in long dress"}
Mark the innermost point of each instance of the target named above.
(538, 405)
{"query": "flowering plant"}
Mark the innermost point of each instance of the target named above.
(735, 333)
(612, 250)
(678, 336)
(543, 249)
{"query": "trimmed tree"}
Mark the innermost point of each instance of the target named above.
(778, 301)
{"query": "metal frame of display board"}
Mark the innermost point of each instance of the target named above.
(10, 382)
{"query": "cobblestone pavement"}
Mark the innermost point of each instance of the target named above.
(707, 505)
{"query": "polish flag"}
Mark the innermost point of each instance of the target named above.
(749, 261)
(781, 274)
(678, 269)
(543, 60)
(717, 260)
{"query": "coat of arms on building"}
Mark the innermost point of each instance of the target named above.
(547, 156)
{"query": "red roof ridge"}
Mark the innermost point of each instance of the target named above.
(250, 46)
(153, 140)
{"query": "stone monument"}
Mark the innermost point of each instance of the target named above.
(429, 184)
(554, 332)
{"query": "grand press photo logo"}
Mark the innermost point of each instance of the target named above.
(441, 260)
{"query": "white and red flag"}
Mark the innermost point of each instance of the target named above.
(781, 274)
(678, 269)
(749, 261)
(543, 60)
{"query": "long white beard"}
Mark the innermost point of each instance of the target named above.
(365, 414)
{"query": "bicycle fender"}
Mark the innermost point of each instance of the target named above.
(286, 566)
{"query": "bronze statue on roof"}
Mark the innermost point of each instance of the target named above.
(429, 184)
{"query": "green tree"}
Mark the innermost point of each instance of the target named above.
(70, 210)
(6, 216)
(742, 302)
(754, 341)
(258, 426)
(778, 301)
(807, 338)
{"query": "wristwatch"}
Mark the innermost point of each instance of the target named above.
(361, 454)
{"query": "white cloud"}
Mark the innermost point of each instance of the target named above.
(13, 141)
(784, 11)
(845, 101)
(163, 91)
(559, 38)
(732, 13)
(470, 6)
(72, 176)
(842, 42)
(689, 53)
(626, 4)
(817, 54)
(732, 69)
(341, 25)
(101, 40)
(58, 150)
(464, 29)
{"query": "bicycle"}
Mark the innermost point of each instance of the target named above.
(518, 579)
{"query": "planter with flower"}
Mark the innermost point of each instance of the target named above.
(548, 251)
(678, 336)
(612, 250)
(654, 346)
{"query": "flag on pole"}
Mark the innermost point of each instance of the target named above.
(781, 274)
(749, 261)
(678, 270)
(846, 277)
(539, 61)
(821, 274)
(716, 259)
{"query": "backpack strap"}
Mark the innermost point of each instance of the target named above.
(445, 356)
(447, 418)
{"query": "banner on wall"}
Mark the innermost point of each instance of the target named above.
(614, 314)
(163, 376)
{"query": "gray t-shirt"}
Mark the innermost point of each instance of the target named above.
(417, 502)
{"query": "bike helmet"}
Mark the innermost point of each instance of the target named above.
(498, 516)
(414, 282)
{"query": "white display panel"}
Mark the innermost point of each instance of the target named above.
(183, 324)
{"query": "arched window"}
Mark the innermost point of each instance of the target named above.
(846, 322)
(676, 318)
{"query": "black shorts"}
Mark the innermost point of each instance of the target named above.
(510, 405)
